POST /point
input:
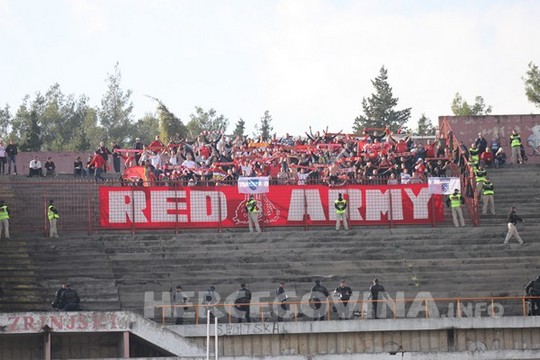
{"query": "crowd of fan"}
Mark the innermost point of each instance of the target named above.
(376, 157)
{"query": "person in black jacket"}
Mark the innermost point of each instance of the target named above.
(70, 299)
(513, 218)
(344, 293)
(318, 300)
(57, 302)
(533, 289)
(242, 302)
(374, 291)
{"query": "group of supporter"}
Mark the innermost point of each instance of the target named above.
(376, 157)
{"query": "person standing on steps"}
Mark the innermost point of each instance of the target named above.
(253, 214)
(455, 201)
(4, 219)
(374, 290)
(487, 197)
(341, 212)
(344, 293)
(180, 301)
(513, 218)
(242, 303)
(11, 152)
(281, 299)
(52, 214)
(515, 145)
(318, 300)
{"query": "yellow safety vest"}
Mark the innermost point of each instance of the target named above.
(4, 212)
(342, 206)
(455, 200)
(488, 188)
(51, 214)
(473, 155)
(480, 175)
(251, 206)
(515, 140)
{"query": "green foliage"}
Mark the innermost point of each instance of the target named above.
(169, 125)
(379, 108)
(5, 121)
(55, 122)
(460, 107)
(31, 141)
(240, 128)
(264, 129)
(425, 127)
(532, 84)
(205, 121)
(116, 107)
(145, 128)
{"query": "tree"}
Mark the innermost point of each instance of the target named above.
(265, 128)
(145, 128)
(116, 107)
(5, 120)
(425, 127)
(26, 124)
(379, 108)
(460, 107)
(532, 84)
(169, 124)
(206, 121)
(240, 128)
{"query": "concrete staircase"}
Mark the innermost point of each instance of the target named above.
(113, 270)
(514, 186)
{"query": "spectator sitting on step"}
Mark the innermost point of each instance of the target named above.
(500, 158)
(57, 302)
(50, 167)
(70, 299)
(78, 169)
(35, 167)
(486, 158)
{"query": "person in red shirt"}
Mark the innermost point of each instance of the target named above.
(430, 149)
(486, 158)
(98, 163)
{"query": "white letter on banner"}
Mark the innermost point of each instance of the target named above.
(119, 208)
(165, 211)
(397, 204)
(332, 197)
(354, 200)
(201, 211)
(313, 205)
(377, 202)
(420, 203)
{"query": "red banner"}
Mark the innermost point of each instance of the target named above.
(198, 207)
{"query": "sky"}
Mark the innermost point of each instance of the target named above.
(309, 62)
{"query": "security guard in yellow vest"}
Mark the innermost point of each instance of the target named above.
(454, 202)
(52, 214)
(253, 214)
(487, 196)
(480, 174)
(515, 145)
(341, 212)
(474, 155)
(4, 219)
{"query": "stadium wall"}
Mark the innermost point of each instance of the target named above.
(466, 129)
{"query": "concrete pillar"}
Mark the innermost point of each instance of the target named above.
(47, 346)
(125, 345)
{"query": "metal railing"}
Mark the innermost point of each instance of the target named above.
(361, 309)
